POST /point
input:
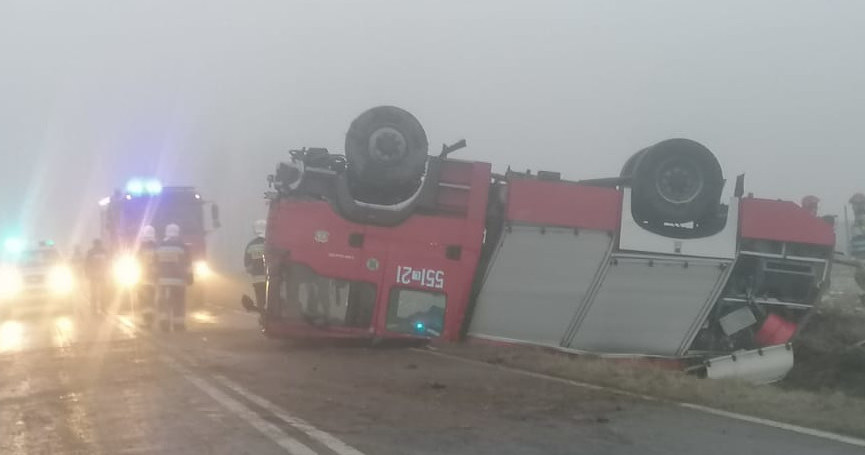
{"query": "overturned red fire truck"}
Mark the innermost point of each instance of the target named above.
(389, 242)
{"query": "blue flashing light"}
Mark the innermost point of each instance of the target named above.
(135, 187)
(153, 187)
(419, 326)
(138, 187)
(13, 245)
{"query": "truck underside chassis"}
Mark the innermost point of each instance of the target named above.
(388, 242)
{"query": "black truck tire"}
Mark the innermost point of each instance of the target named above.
(386, 147)
(631, 164)
(675, 181)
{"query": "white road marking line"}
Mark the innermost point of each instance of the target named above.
(780, 425)
(584, 385)
(327, 439)
(274, 433)
(695, 407)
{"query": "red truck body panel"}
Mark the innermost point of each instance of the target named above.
(564, 204)
(783, 221)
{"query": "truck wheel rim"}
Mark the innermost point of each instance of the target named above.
(387, 145)
(679, 181)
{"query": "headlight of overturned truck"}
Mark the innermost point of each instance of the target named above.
(127, 271)
(61, 280)
(11, 283)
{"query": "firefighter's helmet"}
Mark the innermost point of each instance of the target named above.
(148, 234)
(259, 228)
(172, 231)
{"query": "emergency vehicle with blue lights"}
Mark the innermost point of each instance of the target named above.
(388, 242)
(145, 201)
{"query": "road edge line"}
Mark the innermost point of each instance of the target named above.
(813, 432)
(273, 432)
(239, 409)
(775, 424)
(328, 440)
(535, 374)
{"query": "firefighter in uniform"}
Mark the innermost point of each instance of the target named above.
(96, 270)
(253, 261)
(173, 274)
(147, 287)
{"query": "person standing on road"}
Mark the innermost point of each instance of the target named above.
(147, 287)
(173, 274)
(96, 271)
(253, 261)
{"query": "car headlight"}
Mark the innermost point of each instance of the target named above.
(202, 270)
(61, 280)
(127, 271)
(11, 283)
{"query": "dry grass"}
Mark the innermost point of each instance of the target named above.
(828, 351)
(826, 410)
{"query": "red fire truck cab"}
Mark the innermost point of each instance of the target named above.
(388, 242)
(338, 276)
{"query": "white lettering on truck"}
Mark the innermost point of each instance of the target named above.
(428, 278)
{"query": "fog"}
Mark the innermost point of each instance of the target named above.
(213, 93)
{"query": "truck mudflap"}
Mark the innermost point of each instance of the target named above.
(758, 366)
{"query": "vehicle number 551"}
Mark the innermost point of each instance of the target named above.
(424, 277)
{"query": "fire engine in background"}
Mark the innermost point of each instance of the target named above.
(388, 242)
(146, 202)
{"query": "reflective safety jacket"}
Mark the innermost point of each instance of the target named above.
(253, 258)
(147, 259)
(173, 266)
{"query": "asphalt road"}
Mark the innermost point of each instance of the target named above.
(84, 384)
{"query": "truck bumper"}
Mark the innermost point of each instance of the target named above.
(759, 366)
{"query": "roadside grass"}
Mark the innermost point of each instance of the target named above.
(821, 409)
(830, 350)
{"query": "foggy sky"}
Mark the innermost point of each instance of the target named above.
(212, 93)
